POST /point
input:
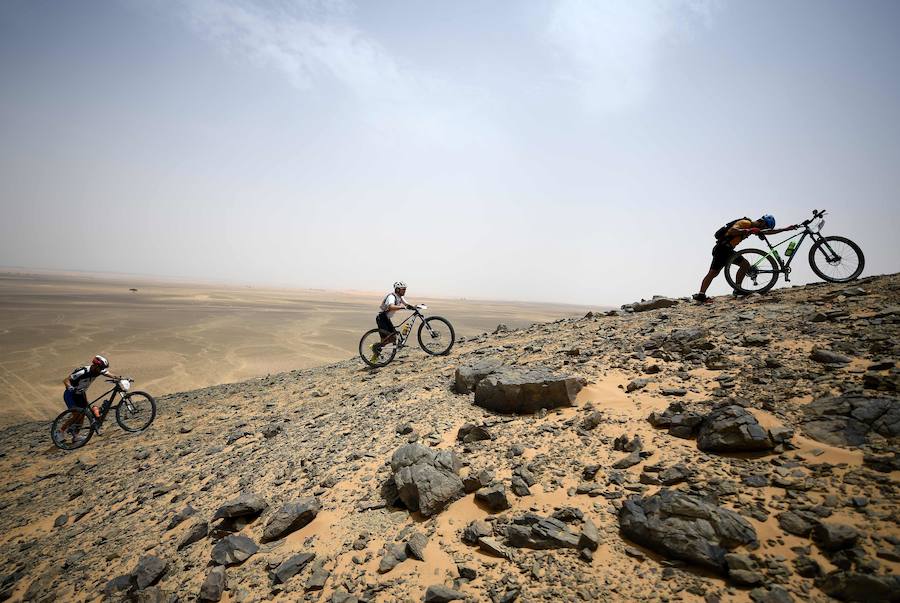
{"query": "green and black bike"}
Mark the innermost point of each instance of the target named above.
(435, 335)
(834, 259)
(135, 411)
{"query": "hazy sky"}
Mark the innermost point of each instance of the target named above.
(564, 150)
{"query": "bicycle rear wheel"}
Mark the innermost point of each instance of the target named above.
(761, 271)
(71, 429)
(378, 356)
(436, 335)
(836, 259)
(136, 411)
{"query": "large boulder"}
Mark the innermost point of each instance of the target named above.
(426, 480)
(291, 517)
(732, 429)
(233, 550)
(526, 391)
(852, 420)
(468, 376)
(213, 587)
(535, 532)
(656, 303)
(291, 566)
(685, 527)
(828, 357)
(148, 571)
(853, 586)
(244, 505)
(680, 340)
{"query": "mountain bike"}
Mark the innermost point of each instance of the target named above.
(834, 259)
(435, 335)
(135, 411)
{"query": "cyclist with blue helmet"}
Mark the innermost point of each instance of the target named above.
(730, 236)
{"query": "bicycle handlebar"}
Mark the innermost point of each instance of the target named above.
(817, 213)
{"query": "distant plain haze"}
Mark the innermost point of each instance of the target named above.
(549, 150)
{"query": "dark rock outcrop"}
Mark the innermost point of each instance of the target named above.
(468, 376)
(685, 527)
(291, 566)
(426, 480)
(242, 506)
(291, 517)
(233, 550)
(732, 429)
(852, 420)
(853, 586)
(525, 391)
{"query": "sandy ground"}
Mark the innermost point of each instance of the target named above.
(175, 337)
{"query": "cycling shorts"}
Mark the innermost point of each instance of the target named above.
(384, 323)
(74, 400)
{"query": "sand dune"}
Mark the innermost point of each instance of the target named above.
(176, 336)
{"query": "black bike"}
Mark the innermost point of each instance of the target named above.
(834, 259)
(435, 334)
(135, 411)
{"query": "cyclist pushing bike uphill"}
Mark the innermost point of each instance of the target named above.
(379, 346)
(835, 259)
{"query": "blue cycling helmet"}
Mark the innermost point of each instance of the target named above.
(769, 219)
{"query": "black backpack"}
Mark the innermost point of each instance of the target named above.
(720, 234)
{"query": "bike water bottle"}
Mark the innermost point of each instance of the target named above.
(790, 248)
(405, 330)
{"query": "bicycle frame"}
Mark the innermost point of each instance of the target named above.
(414, 317)
(107, 404)
(785, 266)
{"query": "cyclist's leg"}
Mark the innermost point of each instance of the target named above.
(720, 254)
(74, 400)
(708, 279)
(388, 330)
(742, 271)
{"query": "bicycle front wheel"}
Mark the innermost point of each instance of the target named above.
(751, 271)
(436, 335)
(136, 411)
(71, 429)
(836, 259)
(373, 353)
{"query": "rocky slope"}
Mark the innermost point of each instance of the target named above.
(772, 477)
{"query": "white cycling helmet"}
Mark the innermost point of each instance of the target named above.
(399, 285)
(100, 361)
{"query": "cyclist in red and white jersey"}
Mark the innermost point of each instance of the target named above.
(79, 381)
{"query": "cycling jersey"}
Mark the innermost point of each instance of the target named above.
(81, 378)
(392, 299)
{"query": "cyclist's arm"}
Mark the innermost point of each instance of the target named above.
(778, 230)
(735, 232)
(67, 383)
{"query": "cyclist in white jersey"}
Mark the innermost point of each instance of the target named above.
(390, 305)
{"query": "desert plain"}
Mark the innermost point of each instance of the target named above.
(176, 336)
